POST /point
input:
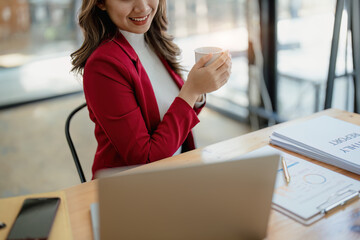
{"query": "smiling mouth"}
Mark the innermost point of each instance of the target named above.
(139, 19)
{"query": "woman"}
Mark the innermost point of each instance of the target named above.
(142, 109)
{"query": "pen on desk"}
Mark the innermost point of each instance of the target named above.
(285, 170)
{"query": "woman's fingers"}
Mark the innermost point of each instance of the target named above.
(224, 77)
(222, 80)
(226, 67)
(219, 61)
(202, 61)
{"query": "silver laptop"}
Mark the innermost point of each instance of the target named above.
(223, 200)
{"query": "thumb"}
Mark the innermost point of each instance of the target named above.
(201, 63)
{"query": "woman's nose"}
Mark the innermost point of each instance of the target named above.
(141, 6)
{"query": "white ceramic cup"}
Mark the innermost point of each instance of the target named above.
(203, 51)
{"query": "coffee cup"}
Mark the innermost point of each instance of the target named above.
(203, 51)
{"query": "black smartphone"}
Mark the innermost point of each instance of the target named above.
(35, 219)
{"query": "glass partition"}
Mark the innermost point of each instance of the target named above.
(305, 29)
(36, 38)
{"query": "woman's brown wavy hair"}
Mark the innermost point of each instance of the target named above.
(97, 26)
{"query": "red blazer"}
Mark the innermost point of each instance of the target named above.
(122, 104)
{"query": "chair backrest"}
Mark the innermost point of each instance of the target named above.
(71, 144)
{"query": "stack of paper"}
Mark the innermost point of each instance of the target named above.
(325, 139)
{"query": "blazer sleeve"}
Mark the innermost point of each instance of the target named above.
(110, 93)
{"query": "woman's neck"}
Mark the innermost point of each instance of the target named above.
(137, 41)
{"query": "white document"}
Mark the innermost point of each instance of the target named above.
(326, 139)
(312, 191)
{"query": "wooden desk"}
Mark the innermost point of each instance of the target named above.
(344, 223)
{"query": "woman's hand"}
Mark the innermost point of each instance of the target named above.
(207, 79)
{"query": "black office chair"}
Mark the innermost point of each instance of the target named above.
(71, 144)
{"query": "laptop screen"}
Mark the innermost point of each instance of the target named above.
(223, 200)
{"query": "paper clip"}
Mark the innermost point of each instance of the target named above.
(338, 199)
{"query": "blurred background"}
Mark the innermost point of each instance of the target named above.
(280, 50)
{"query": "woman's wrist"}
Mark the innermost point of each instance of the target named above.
(189, 96)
